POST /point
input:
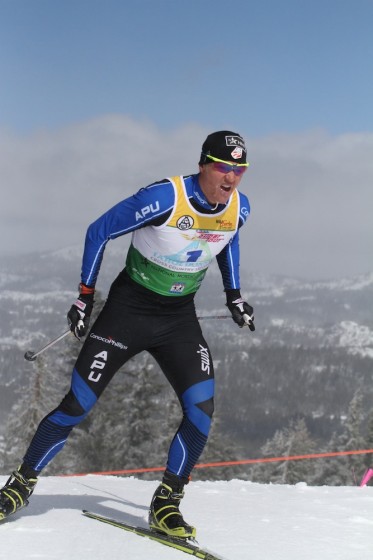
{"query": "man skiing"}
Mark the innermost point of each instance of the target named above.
(178, 226)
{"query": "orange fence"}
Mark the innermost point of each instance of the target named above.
(236, 463)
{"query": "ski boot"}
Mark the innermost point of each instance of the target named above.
(164, 513)
(14, 495)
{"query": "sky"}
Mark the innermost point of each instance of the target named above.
(238, 520)
(99, 98)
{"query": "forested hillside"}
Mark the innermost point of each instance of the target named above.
(302, 382)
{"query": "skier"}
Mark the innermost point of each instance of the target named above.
(178, 226)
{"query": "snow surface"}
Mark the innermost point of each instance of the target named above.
(239, 520)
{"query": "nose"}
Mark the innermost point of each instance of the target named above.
(230, 177)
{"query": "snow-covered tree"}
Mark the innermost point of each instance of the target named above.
(345, 470)
(368, 460)
(294, 440)
(36, 399)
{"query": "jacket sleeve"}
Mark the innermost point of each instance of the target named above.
(229, 258)
(145, 207)
(229, 263)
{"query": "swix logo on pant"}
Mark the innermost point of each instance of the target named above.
(97, 366)
(205, 359)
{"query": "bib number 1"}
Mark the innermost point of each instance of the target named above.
(193, 256)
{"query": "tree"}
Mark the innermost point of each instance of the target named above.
(292, 440)
(36, 400)
(48, 379)
(368, 460)
(343, 470)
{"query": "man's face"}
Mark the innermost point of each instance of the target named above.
(216, 185)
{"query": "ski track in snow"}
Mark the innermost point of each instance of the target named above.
(238, 520)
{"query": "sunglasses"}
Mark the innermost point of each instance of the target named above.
(226, 167)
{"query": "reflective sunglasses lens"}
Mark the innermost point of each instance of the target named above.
(239, 171)
(226, 168)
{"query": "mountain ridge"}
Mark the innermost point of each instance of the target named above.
(313, 340)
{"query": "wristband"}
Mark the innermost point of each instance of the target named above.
(85, 290)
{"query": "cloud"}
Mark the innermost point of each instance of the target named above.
(56, 182)
(312, 200)
(311, 193)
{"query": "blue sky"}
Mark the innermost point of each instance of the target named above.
(262, 66)
(101, 97)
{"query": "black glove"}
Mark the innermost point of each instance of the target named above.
(242, 312)
(80, 312)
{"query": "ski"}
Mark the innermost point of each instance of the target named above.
(180, 544)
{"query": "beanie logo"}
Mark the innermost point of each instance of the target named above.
(235, 141)
(237, 153)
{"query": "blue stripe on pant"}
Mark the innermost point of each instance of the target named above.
(54, 429)
(192, 434)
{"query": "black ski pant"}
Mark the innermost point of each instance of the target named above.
(134, 319)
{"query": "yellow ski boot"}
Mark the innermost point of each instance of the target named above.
(164, 513)
(14, 495)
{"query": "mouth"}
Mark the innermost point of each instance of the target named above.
(225, 188)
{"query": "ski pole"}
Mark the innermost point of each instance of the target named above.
(214, 317)
(31, 356)
(247, 318)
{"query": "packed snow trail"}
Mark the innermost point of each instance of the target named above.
(237, 519)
